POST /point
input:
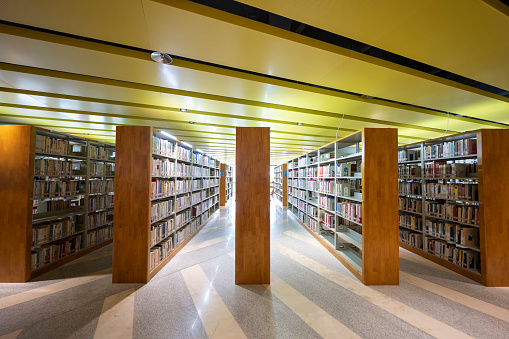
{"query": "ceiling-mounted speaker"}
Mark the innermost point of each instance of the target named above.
(162, 58)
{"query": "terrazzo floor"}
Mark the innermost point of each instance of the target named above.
(311, 295)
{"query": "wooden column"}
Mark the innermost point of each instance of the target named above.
(252, 218)
(222, 185)
(493, 164)
(380, 252)
(131, 234)
(17, 147)
(284, 180)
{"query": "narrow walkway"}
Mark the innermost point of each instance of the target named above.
(194, 296)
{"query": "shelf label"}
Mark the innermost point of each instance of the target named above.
(285, 173)
(222, 173)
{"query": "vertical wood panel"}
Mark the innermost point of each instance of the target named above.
(252, 218)
(222, 185)
(493, 170)
(131, 241)
(380, 253)
(285, 184)
(17, 149)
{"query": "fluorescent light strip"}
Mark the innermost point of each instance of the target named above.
(168, 135)
(187, 144)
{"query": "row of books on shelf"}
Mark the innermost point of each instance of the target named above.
(410, 221)
(312, 224)
(101, 153)
(349, 210)
(99, 202)
(312, 211)
(51, 231)
(341, 170)
(160, 231)
(183, 186)
(163, 146)
(463, 191)
(182, 218)
(460, 213)
(101, 186)
(441, 169)
(44, 206)
(409, 155)
(328, 220)
(451, 149)
(183, 153)
(98, 236)
(57, 188)
(463, 235)
(182, 202)
(462, 257)
(160, 251)
(327, 202)
(102, 169)
(49, 253)
(161, 210)
(410, 205)
(161, 188)
(46, 144)
(163, 168)
(44, 166)
(95, 219)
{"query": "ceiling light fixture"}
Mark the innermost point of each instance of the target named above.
(299, 124)
(191, 122)
(168, 135)
(199, 150)
(187, 144)
(183, 109)
(162, 58)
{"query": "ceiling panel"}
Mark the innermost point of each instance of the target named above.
(466, 37)
(196, 31)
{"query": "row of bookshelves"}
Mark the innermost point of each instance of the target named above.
(445, 195)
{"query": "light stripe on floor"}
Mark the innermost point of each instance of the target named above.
(215, 316)
(189, 248)
(315, 317)
(117, 316)
(302, 237)
(460, 298)
(39, 292)
(12, 335)
(415, 318)
(207, 230)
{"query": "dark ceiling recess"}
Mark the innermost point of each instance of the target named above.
(237, 8)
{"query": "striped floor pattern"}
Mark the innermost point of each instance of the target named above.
(311, 295)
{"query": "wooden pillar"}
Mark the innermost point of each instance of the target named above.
(493, 162)
(222, 185)
(131, 234)
(17, 147)
(284, 180)
(380, 250)
(252, 218)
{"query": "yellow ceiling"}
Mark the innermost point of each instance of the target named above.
(461, 36)
(88, 88)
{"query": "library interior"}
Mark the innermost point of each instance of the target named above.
(254, 169)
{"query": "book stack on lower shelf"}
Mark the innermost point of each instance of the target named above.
(342, 194)
(165, 191)
(450, 200)
(69, 206)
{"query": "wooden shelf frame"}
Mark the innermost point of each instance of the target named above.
(376, 262)
(492, 163)
(18, 154)
(132, 239)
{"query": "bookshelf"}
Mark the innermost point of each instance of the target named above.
(229, 182)
(343, 194)
(58, 192)
(451, 205)
(225, 184)
(165, 192)
(281, 183)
